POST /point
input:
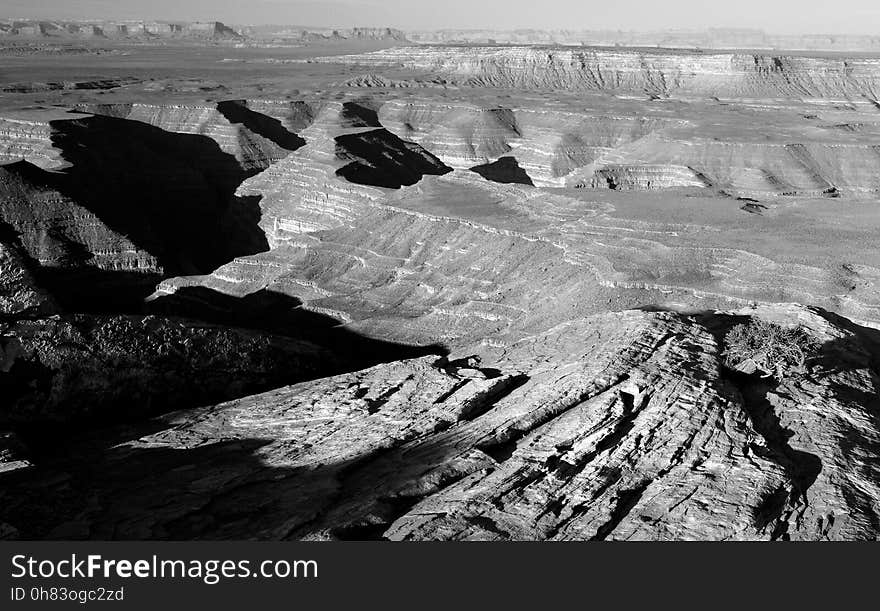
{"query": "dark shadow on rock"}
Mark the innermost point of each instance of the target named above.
(356, 114)
(802, 468)
(753, 393)
(9, 235)
(504, 170)
(91, 371)
(80, 371)
(236, 111)
(193, 348)
(380, 159)
(684, 310)
(860, 352)
(94, 290)
(506, 118)
(280, 314)
(753, 208)
(171, 194)
(836, 353)
(42, 223)
(111, 487)
(89, 489)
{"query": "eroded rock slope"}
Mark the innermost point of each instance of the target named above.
(659, 72)
(619, 426)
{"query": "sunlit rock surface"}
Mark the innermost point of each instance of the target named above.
(618, 427)
(27, 135)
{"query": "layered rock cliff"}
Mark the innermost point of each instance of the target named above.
(255, 139)
(711, 38)
(269, 32)
(28, 136)
(654, 72)
(180, 214)
(115, 30)
(548, 143)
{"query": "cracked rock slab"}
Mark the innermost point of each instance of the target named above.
(618, 426)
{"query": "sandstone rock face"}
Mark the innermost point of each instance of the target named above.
(661, 72)
(349, 156)
(645, 146)
(746, 166)
(28, 136)
(412, 261)
(645, 177)
(461, 134)
(620, 427)
(311, 34)
(457, 258)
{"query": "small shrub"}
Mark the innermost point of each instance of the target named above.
(767, 348)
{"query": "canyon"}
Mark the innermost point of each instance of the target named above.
(360, 288)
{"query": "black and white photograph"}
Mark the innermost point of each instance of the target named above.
(409, 270)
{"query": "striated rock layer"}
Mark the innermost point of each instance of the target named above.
(27, 136)
(255, 139)
(658, 72)
(55, 230)
(178, 214)
(712, 38)
(616, 427)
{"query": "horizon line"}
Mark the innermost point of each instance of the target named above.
(753, 30)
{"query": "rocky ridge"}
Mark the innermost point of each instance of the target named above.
(615, 427)
(657, 72)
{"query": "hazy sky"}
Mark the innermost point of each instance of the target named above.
(777, 16)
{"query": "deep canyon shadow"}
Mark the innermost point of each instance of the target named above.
(171, 194)
(236, 111)
(100, 487)
(93, 378)
(281, 314)
(380, 159)
(505, 170)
